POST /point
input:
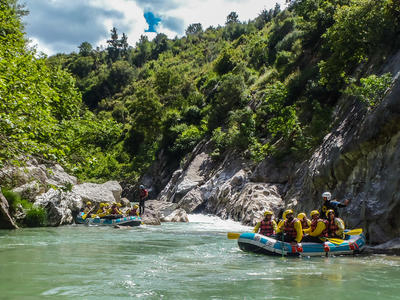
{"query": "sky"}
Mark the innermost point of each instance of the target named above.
(60, 26)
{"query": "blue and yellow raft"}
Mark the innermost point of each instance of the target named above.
(257, 243)
(123, 221)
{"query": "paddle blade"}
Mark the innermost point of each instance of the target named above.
(357, 231)
(84, 216)
(335, 241)
(233, 235)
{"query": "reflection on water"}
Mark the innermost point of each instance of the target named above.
(177, 261)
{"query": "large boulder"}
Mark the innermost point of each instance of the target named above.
(6, 221)
(29, 190)
(32, 171)
(97, 193)
(151, 217)
(390, 247)
(58, 177)
(178, 215)
(60, 206)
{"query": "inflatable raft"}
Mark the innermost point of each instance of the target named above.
(257, 243)
(123, 221)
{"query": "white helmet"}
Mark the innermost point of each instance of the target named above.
(327, 195)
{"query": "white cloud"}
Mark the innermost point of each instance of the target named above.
(133, 23)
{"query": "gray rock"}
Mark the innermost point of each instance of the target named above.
(6, 221)
(151, 217)
(58, 177)
(60, 206)
(192, 201)
(29, 190)
(178, 215)
(390, 247)
(162, 208)
(97, 193)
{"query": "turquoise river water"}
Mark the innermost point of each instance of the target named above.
(177, 261)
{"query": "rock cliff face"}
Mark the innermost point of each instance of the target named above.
(51, 188)
(359, 159)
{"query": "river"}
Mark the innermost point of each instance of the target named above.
(177, 261)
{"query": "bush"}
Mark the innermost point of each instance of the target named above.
(36, 217)
(371, 89)
(12, 198)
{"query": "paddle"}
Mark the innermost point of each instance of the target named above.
(85, 215)
(357, 231)
(233, 235)
(334, 241)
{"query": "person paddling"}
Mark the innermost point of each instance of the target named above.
(318, 230)
(267, 226)
(305, 222)
(335, 225)
(293, 233)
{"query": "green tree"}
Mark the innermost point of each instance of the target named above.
(85, 48)
(233, 17)
(194, 28)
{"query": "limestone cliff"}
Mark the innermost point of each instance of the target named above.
(359, 159)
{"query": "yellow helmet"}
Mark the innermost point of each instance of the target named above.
(314, 212)
(301, 216)
(288, 211)
(88, 203)
(329, 211)
(102, 205)
(119, 204)
(136, 206)
(268, 212)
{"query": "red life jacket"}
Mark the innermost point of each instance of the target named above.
(143, 193)
(304, 223)
(132, 212)
(266, 228)
(114, 210)
(314, 224)
(289, 228)
(332, 228)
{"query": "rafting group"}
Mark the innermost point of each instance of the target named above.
(115, 213)
(324, 234)
(301, 229)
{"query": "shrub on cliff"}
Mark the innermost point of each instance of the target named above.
(36, 217)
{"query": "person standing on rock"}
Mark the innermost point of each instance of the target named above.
(331, 204)
(267, 226)
(143, 194)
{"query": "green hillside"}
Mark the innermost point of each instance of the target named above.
(264, 87)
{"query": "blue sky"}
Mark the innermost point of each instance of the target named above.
(60, 26)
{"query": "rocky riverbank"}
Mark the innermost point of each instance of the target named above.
(62, 197)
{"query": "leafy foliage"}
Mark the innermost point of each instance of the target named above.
(260, 88)
(371, 89)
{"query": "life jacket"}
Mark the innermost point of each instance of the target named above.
(332, 228)
(266, 228)
(114, 210)
(132, 212)
(327, 206)
(143, 194)
(304, 223)
(314, 224)
(289, 228)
